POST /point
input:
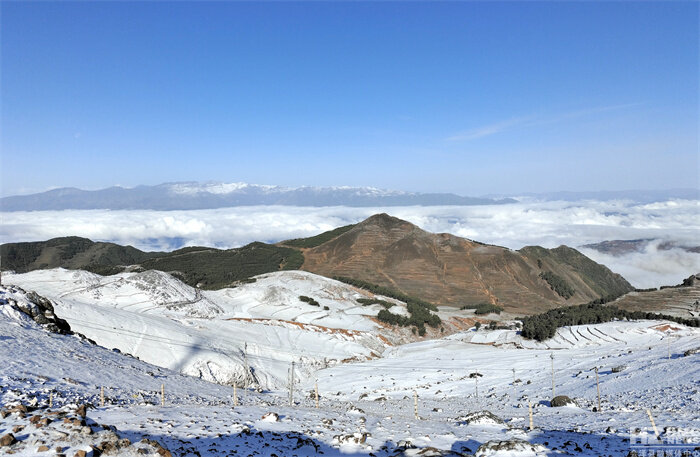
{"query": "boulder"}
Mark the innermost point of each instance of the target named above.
(562, 400)
(271, 417)
(510, 447)
(355, 438)
(481, 418)
(7, 440)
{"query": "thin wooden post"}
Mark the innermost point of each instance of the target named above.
(235, 396)
(291, 386)
(551, 356)
(162, 395)
(597, 386)
(102, 396)
(50, 399)
(247, 369)
(415, 404)
(656, 431)
(316, 392)
(529, 406)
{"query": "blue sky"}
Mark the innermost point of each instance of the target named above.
(471, 98)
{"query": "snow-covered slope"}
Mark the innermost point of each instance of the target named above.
(206, 333)
(366, 407)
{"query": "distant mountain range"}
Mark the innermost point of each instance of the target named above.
(637, 196)
(382, 250)
(192, 196)
(623, 247)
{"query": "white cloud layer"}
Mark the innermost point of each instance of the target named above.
(548, 224)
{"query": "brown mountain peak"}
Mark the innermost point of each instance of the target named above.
(386, 221)
(450, 270)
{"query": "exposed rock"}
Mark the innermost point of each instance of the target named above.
(509, 447)
(40, 309)
(562, 400)
(428, 452)
(7, 440)
(271, 417)
(355, 438)
(481, 418)
(355, 410)
(81, 411)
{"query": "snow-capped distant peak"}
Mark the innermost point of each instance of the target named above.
(210, 188)
(222, 188)
(195, 195)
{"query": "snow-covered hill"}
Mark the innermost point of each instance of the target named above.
(365, 408)
(214, 334)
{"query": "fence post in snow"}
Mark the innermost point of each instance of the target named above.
(551, 356)
(102, 396)
(529, 406)
(51, 399)
(656, 431)
(597, 386)
(316, 392)
(245, 381)
(291, 386)
(162, 395)
(415, 404)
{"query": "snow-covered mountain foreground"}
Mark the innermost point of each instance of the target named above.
(367, 408)
(160, 320)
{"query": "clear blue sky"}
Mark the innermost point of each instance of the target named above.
(470, 98)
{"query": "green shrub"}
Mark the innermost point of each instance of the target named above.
(483, 308)
(386, 291)
(309, 300)
(374, 301)
(543, 326)
(319, 239)
(558, 285)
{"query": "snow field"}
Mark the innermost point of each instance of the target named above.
(367, 407)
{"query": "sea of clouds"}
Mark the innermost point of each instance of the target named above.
(547, 224)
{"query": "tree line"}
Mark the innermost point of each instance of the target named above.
(544, 326)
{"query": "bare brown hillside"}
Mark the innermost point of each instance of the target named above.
(449, 270)
(677, 301)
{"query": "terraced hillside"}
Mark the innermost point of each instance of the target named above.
(681, 301)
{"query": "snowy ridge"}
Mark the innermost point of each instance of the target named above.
(205, 333)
